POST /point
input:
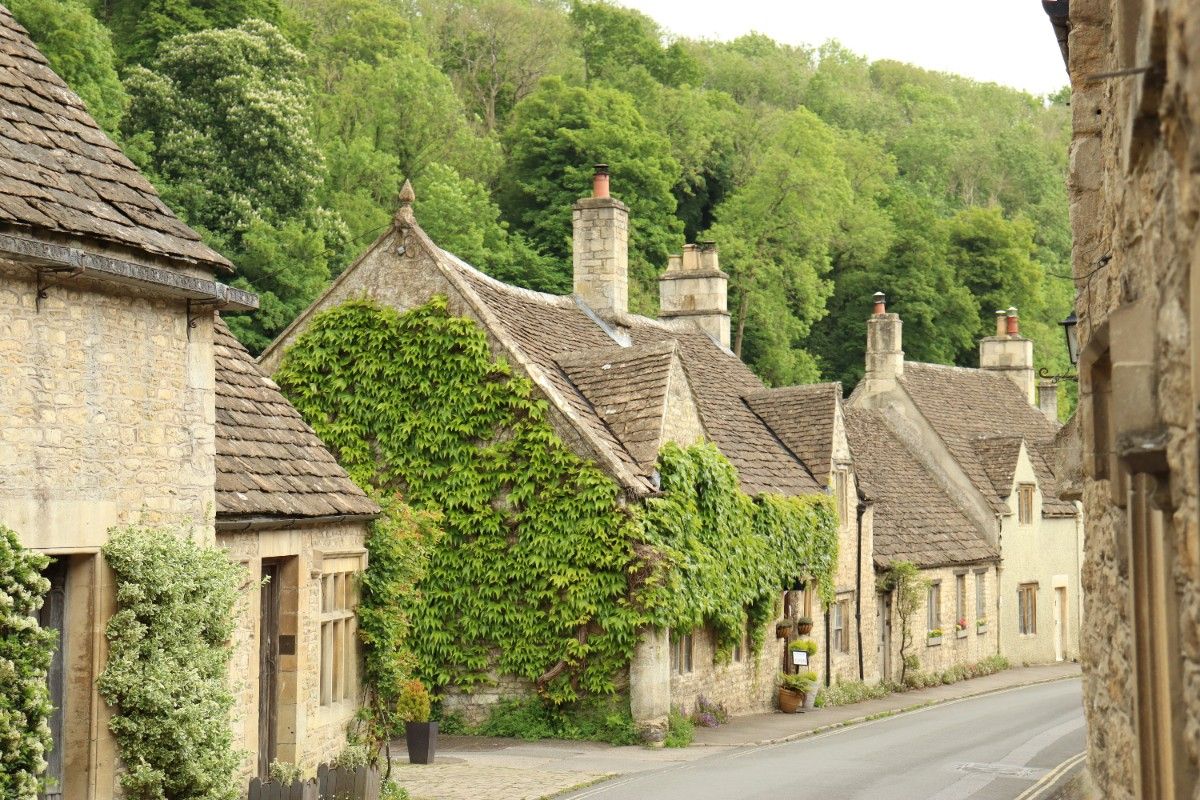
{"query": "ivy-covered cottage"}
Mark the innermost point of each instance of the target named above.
(126, 404)
(980, 439)
(592, 541)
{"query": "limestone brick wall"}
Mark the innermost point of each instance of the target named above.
(1135, 155)
(600, 253)
(308, 732)
(955, 647)
(744, 686)
(107, 402)
(475, 707)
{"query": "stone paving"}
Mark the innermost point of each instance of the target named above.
(471, 767)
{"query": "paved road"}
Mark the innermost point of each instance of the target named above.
(993, 747)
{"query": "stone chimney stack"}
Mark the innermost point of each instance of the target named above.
(885, 356)
(1048, 399)
(600, 253)
(1010, 353)
(695, 287)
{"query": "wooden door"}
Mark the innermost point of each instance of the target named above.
(883, 624)
(268, 667)
(53, 616)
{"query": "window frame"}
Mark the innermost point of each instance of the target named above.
(682, 654)
(980, 595)
(1027, 609)
(340, 593)
(933, 607)
(1026, 496)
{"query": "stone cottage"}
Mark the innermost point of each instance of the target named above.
(982, 437)
(111, 365)
(618, 386)
(1135, 156)
(291, 515)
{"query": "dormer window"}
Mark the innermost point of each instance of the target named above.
(1025, 503)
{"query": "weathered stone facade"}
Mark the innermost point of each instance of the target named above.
(1135, 155)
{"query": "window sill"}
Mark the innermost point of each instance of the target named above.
(933, 641)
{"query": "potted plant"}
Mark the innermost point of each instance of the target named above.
(794, 689)
(783, 629)
(804, 626)
(960, 627)
(934, 637)
(804, 645)
(981, 625)
(419, 733)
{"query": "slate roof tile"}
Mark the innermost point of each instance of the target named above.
(803, 417)
(270, 463)
(63, 175)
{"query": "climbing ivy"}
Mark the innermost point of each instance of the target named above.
(732, 554)
(542, 572)
(25, 653)
(168, 659)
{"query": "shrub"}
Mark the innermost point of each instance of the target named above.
(413, 704)
(800, 682)
(598, 720)
(849, 692)
(284, 773)
(352, 757)
(25, 653)
(168, 662)
(804, 645)
(680, 729)
(392, 791)
(709, 714)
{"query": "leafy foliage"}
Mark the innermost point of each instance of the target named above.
(904, 580)
(732, 554)
(168, 660)
(561, 577)
(25, 653)
(680, 729)
(591, 719)
(140, 26)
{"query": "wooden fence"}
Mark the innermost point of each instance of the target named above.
(330, 784)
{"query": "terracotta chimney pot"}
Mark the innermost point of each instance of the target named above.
(600, 181)
(880, 304)
(1001, 322)
(1013, 326)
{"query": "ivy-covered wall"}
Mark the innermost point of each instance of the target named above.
(542, 573)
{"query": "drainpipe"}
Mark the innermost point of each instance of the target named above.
(828, 655)
(999, 569)
(858, 590)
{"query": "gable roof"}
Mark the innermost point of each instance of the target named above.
(627, 387)
(542, 327)
(270, 463)
(914, 519)
(967, 407)
(60, 174)
(998, 455)
(803, 417)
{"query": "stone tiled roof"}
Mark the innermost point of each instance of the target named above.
(803, 418)
(914, 519)
(270, 463)
(627, 387)
(59, 173)
(967, 406)
(999, 455)
(542, 327)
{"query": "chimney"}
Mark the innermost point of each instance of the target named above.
(885, 358)
(1010, 353)
(600, 254)
(1048, 399)
(695, 287)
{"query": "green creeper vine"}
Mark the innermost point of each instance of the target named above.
(731, 554)
(541, 572)
(168, 657)
(25, 653)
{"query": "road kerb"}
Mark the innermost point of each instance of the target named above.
(792, 737)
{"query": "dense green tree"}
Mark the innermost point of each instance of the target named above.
(776, 233)
(80, 50)
(615, 40)
(139, 27)
(756, 70)
(556, 135)
(221, 122)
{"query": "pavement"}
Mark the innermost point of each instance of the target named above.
(512, 769)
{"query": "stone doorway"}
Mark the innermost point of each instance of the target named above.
(268, 666)
(883, 624)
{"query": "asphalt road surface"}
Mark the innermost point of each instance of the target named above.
(995, 747)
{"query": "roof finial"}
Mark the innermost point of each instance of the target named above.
(404, 212)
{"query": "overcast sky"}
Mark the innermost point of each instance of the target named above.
(1005, 41)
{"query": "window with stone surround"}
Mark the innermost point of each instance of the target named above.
(1027, 609)
(980, 595)
(960, 602)
(339, 633)
(841, 483)
(1025, 503)
(840, 625)
(681, 654)
(933, 619)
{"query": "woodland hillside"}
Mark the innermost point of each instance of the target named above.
(283, 129)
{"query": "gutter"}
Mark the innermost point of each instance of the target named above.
(46, 256)
(237, 524)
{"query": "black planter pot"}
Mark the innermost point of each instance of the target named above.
(421, 738)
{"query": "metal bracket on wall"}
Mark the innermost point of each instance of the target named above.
(43, 286)
(1045, 375)
(197, 308)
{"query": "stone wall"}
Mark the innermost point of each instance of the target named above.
(308, 732)
(955, 647)
(1135, 155)
(743, 685)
